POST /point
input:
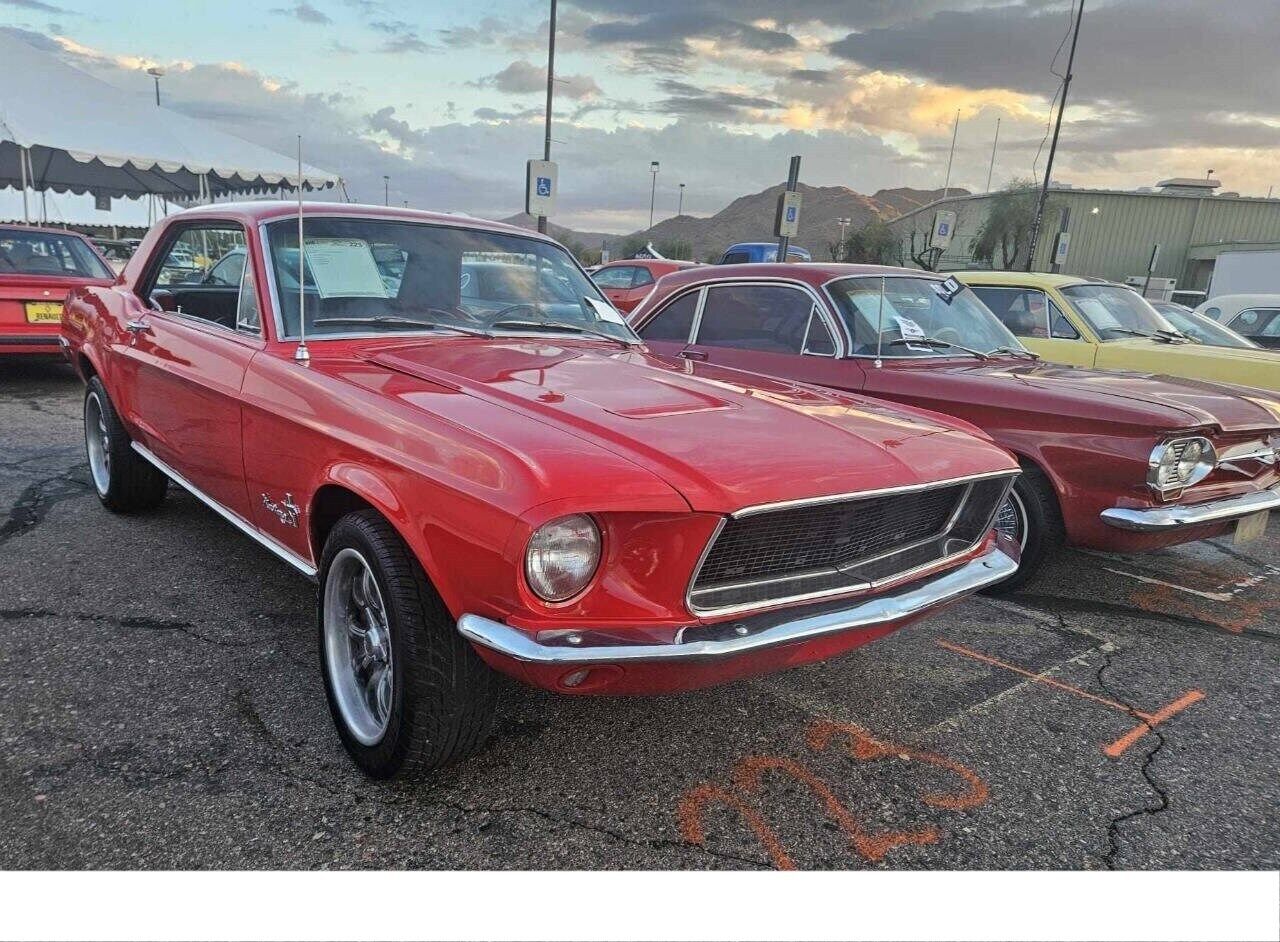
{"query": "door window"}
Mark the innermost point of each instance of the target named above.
(201, 273)
(764, 318)
(618, 278)
(1258, 322)
(1025, 311)
(674, 322)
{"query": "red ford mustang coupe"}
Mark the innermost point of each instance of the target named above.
(37, 268)
(1115, 461)
(480, 482)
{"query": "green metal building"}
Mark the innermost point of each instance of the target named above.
(1112, 232)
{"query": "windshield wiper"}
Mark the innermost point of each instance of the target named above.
(558, 326)
(1172, 336)
(1017, 353)
(1132, 333)
(935, 342)
(392, 320)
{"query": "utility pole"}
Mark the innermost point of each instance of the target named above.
(653, 189)
(155, 72)
(551, 78)
(680, 208)
(993, 155)
(946, 186)
(1053, 146)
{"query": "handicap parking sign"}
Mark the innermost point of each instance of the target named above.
(943, 228)
(792, 212)
(544, 186)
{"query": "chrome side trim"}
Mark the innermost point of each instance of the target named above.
(1159, 519)
(233, 518)
(606, 648)
(879, 492)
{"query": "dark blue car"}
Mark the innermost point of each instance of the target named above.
(745, 252)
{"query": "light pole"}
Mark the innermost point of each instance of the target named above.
(844, 223)
(386, 190)
(653, 189)
(680, 208)
(155, 72)
(551, 78)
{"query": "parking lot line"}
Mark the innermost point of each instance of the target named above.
(1117, 748)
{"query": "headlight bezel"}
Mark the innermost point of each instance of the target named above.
(1164, 474)
(536, 567)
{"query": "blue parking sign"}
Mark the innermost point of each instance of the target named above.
(943, 228)
(791, 214)
(544, 186)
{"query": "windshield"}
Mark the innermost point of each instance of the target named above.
(1115, 313)
(382, 276)
(915, 310)
(1209, 332)
(24, 252)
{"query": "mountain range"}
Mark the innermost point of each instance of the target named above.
(750, 219)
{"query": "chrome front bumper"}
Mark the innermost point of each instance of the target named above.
(1158, 519)
(731, 638)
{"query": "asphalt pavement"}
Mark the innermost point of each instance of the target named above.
(161, 707)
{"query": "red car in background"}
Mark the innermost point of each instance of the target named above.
(490, 472)
(38, 267)
(1112, 460)
(628, 282)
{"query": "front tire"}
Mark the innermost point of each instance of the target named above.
(1031, 518)
(124, 481)
(407, 692)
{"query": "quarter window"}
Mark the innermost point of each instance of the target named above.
(643, 277)
(764, 318)
(674, 322)
(248, 316)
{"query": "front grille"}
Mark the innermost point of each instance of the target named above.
(834, 547)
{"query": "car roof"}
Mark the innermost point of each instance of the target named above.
(678, 262)
(258, 211)
(1231, 304)
(50, 230)
(814, 274)
(1039, 279)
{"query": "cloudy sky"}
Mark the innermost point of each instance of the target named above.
(446, 98)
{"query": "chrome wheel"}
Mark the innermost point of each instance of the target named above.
(357, 647)
(1011, 520)
(98, 443)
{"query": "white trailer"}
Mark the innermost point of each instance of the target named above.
(1245, 273)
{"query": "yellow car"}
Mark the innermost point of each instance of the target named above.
(1085, 322)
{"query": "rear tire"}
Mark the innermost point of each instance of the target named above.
(1032, 518)
(124, 481)
(407, 692)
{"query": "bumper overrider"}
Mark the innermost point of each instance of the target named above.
(1177, 516)
(587, 660)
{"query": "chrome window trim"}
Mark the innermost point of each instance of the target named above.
(460, 222)
(838, 498)
(245, 272)
(708, 286)
(233, 518)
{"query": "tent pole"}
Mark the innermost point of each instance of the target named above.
(22, 163)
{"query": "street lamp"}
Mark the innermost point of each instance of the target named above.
(386, 190)
(653, 189)
(155, 72)
(844, 223)
(680, 209)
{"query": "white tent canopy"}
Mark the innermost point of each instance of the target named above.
(64, 130)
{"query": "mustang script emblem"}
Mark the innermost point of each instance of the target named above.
(286, 510)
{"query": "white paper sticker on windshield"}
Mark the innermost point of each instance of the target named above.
(605, 312)
(1097, 312)
(909, 329)
(344, 268)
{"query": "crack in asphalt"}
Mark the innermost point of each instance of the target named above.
(1054, 604)
(1148, 810)
(124, 621)
(40, 497)
(409, 794)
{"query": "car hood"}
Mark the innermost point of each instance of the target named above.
(1168, 402)
(722, 439)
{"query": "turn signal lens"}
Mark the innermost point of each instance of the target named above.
(562, 557)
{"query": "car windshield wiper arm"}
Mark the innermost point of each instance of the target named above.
(1129, 331)
(1014, 352)
(392, 320)
(935, 342)
(558, 326)
(1174, 336)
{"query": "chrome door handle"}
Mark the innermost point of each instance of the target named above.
(138, 326)
(693, 354)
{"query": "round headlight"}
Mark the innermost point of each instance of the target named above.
(1189, 459)
(1182, 463)
(562, 557)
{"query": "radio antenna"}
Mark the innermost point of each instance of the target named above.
(302, 354)
(879, 325)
